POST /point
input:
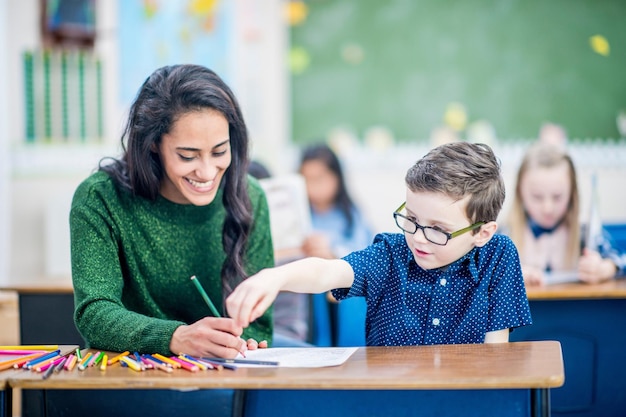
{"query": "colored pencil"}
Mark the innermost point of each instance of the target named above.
(18, 362)
(42, 366)
(30, 347)
(167, 360)
(243, 361)
(117, 358)
(48, 372)
(103, 365)
(205, 296)
(69, 361)
(131, 363)
(186, 365)
(72, 363)
(40, 359)
(186, 358)
(83, 363)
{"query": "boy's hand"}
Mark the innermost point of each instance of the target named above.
(252, 297)
(592, 268)
(210, 336)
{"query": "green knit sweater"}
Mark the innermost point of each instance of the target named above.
(132, 260)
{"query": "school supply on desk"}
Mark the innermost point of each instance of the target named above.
(205, 296)
(313, 357)
(560, 277)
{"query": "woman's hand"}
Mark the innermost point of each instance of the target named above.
(592, 268)
(209, 337)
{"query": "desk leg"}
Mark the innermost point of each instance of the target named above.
(540, 402)
(6, 402)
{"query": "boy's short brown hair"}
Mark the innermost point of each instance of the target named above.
(460, 169)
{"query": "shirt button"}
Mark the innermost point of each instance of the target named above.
(435, 322)
(443, 281)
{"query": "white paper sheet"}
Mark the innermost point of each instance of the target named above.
(561, 277)
(313, 357)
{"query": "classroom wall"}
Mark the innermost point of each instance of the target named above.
(40, 183)
(4, 153)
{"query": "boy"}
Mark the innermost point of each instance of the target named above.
(447, 279)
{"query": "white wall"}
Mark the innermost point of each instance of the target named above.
(4, 153)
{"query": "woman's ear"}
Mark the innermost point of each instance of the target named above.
(485, 233)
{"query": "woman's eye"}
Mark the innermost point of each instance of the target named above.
(185, 158)
(219, 153)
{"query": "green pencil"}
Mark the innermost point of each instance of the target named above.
(204, 295)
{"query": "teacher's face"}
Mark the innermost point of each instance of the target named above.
(195, 155)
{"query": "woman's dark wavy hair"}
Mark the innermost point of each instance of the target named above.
(165, 96)
(323, 153)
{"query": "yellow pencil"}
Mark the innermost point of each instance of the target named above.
(103, 364)
(117, 358)
(131, 363)
(186, 358)
(167, 360)
(30, 347)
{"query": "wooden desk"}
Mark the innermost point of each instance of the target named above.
(52, 299)
(447, 380)
(590, 323)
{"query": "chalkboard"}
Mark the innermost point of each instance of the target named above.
(514, 63)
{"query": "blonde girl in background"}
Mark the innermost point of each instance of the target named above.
(544, 221)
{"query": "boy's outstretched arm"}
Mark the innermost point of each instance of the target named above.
(310, 275)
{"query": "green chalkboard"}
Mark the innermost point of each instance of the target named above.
(514, 63)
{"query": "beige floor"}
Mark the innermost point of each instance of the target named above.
(9, 333)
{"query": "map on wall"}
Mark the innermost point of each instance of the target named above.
(154, 33)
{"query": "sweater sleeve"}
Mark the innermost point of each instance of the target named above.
(98, 282)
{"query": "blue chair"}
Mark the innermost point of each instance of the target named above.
(350, 322)
(320, 322)
(618, 235)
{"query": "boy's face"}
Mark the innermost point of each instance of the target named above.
(440, 211)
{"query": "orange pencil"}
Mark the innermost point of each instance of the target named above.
(18, 362)
(117, 358)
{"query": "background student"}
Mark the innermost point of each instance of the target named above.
(448, 278)
(544, 221)
(177, 203)
(338, 225)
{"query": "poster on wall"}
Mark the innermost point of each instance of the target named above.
(167, 32)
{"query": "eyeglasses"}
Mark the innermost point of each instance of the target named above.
(432, 234)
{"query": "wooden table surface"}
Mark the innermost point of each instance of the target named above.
(482, 366)
(615, 288)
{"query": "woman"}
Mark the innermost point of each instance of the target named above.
(178, 203)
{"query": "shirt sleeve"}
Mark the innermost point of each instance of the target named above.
(508, 303)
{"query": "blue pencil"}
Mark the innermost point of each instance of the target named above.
(47, 356)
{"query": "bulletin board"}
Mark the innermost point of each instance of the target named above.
(515, 63)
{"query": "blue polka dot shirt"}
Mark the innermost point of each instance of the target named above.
(459, 303)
